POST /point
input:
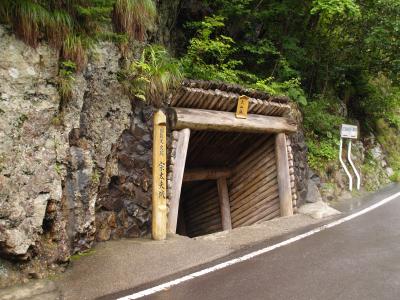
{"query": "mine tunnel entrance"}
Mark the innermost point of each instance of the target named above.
(230, 180)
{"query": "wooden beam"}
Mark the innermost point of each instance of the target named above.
(224, 203)
(177, 176)
(201, 119)
(159, 198)
(282, 163)
(206, 174)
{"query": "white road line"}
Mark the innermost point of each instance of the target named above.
(228, 263)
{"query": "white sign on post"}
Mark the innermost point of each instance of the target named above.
(349, 131)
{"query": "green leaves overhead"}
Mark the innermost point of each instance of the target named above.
(329, 9)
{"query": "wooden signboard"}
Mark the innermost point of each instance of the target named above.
(159, 217)
(242, 107)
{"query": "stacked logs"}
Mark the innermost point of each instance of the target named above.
(188, 97)
(253, 186)
(292, 175)
(201, 209)
(233, 88)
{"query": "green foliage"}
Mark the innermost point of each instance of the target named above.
(395, 177)
(66, 78)
(153, 75)
(329, 9)
(321, 118)
(291, 88)
(389, 138)
(374, 176)
(383, 101)
(322, 153)
(209, 55)
(331, 47)
(322, 123)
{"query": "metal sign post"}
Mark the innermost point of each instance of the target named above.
(349, 132)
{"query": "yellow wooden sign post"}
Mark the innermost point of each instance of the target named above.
(159, 218)
(242, 107)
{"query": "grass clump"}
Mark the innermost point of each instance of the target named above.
(134, 17)
(74, 50)
(72, 26)
(153, 75)
(66, 79)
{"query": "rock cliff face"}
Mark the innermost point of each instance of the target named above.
(67, 169)
(30, 145)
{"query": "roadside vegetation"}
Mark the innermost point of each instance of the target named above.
(338, 59)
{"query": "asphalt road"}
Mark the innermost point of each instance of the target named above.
(359, 259)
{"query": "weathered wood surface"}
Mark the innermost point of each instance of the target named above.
(200, 119)
(177, 176)
(159, 196)
(253, 189)
(206, 174)
(219, 97)
(202, 209)
(284, 183)
(224, 203)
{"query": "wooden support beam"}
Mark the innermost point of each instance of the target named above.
(159, 198)
(224, 203)
(206, 174)
(201, 119)
(177, 176)
(282, 163)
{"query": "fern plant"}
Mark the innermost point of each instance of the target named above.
(153, 75)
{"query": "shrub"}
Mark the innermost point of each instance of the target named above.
(209, 55)
(322, 126)
(383, 101)
(389, 137)
(395, 177)
(153, 75)
(322, 154)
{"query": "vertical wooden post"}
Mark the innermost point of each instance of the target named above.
(177, 177)
(159, 216)
(282, 164)
(224, 203)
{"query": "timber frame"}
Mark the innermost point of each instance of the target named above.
(209, 107)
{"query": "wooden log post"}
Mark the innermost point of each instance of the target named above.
(201, 119)
(224, 203)
(284, 184)
(177, 176)
(159, 197)
(206, 174)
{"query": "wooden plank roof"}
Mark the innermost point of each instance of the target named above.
(222, 96)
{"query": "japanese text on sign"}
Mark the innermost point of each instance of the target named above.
(242, 107)
(349, 131)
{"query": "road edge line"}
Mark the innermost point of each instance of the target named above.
(169, 284)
